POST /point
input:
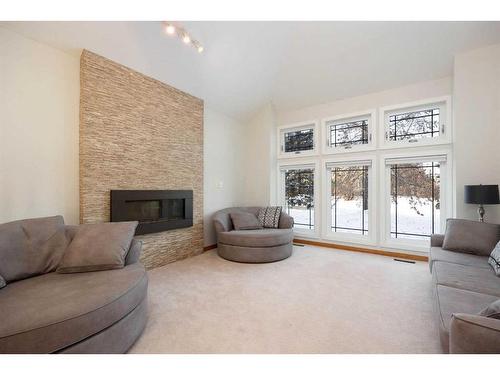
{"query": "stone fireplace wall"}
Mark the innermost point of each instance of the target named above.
(138, 133)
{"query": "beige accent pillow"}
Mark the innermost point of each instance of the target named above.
(98, 247)
(245, 221)
(492, 311)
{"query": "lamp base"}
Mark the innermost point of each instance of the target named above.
(481, 211)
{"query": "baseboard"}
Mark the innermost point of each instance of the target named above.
(210, 247)
(392, 254)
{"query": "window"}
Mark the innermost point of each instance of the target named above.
(298, 195)
(415, 197)
(416, 124)
(297, 140)
(348, 132)
(349, 199)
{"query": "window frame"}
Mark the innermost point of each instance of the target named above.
(445, 122)
(446, 193)
(302, 164)
(282, 130)
(371, 115)
(327, 234)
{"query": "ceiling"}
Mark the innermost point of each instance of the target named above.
(293, 64)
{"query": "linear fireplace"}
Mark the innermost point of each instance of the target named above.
(155, 210)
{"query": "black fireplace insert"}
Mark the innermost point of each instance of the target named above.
(155, 210)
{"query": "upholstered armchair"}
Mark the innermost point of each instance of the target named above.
(253, 246)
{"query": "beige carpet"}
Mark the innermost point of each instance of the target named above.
(317, 301)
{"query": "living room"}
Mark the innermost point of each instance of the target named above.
(249, 187)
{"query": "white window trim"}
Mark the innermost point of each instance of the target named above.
(371, 238)
(445, 120)
(446, 204)
(302, 164)
(372, 132)
(297, 126)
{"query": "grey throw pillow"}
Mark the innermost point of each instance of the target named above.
(473, 237)
(2, 282)
(269, 217)
(245, 221)
(98, 247)
(492, 311)
(494, 259)
(31, 247)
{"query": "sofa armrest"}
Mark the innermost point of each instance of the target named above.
(134, 252)
(286, 221)
(437, 240)
(474, 334)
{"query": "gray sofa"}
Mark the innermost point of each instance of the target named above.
(253, 246)
(463, 285)
(89, 312)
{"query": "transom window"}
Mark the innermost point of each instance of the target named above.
(298, 140)
(414, 125)
(347, 134)
(415, 199)
(349, 199)
(299, 196)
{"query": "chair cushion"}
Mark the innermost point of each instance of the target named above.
(257, 238)
(98, 247)
(31, 247)
(474, 237)
(438, 254)
(475, 279)
(244, 221)
(47, 313)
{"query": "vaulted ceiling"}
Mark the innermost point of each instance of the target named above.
(293, 64)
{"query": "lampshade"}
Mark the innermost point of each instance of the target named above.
(481, 194)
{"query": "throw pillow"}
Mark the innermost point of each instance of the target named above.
(269, 217)
(494, 259)
(31, 247)
(98, 247)
(473, 237)
(2, 282)
(492, 311)
(245, 221)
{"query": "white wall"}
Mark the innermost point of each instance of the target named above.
(477, 125)
(224, 172)
(260, 158)
(398, 95)
(39, 96)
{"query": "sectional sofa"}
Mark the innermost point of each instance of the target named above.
(464, 284)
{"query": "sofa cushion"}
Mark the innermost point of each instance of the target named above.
(31, 247)
(257, 238)
(449, 301)
(475, 279)
(269, 217)
(473, 237)
(492, 310)
(46, 313)
(98, 247)
(438, 254)
(244, 221)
